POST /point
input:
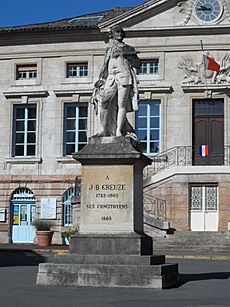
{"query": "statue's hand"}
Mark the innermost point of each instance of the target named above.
(117, 52)
(99, 83)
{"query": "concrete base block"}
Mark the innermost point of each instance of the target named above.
(100, 260)
(110, 244)
(100, 275)
(110, 259)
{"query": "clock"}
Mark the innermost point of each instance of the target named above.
(208, 10)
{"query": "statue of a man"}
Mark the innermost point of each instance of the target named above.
(116, 92)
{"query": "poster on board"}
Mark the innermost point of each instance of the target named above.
(48, 208)
(2, 215)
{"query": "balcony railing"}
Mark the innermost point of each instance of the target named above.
(182, 156)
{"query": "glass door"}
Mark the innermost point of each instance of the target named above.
(204, 215)
(22, 229)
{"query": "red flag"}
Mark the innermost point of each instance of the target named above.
(211, 64)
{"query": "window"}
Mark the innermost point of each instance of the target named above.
(148, 126)
(24, 130)
(26, 72)
(75, 127)
(68, 201)
(148, 67)
(77, 70)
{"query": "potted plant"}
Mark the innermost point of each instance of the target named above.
(68, 233)
(43, 231)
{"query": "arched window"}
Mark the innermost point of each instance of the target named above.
(71, 196)
(23, 194)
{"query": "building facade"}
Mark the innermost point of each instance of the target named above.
(48, 73)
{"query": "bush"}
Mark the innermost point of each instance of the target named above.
(42, 225)
(69, 232)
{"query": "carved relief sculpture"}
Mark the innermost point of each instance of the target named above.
(199, 74)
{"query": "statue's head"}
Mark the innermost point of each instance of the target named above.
(117, 33)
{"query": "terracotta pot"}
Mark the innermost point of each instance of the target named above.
(44, 238)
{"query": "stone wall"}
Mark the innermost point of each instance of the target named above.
(41, 186)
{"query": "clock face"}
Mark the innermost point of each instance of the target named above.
(208, 10)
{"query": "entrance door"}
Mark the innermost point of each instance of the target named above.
(204, 208)
(23, 214)
(208, 132)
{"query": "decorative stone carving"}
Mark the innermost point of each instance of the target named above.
(191, 71)
(185, 8)
(198, 74)
(224, 74)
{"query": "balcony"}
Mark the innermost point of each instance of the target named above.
(185, 156)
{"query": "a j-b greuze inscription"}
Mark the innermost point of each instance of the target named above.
(107, 198)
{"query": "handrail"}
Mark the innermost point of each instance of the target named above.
(175, 156)
(178, 156)
(155, 206)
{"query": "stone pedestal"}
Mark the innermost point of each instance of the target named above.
(111, 249)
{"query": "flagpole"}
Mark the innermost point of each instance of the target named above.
(202, 48)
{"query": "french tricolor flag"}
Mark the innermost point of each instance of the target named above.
(203, 150)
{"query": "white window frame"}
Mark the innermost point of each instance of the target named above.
(31, 70)
(148, 67)
(76, 130)
(26, 62)
(147, 56)
(78, 67)
(25, 131)
(78, 60)
(148, 127)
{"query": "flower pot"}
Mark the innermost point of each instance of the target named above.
(44, 238)
(66, 241)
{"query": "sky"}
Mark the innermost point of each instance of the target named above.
(24, 12)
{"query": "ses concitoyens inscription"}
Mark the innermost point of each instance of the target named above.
(107, 204)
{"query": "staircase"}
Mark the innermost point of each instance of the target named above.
(192, 242)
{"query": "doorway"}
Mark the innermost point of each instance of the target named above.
(23, 214)
(204, 213)
(208, 132)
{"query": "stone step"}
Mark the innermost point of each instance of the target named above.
(100, 275)
(195, 234)
(187, 244)
(193, 241)
(110, 259)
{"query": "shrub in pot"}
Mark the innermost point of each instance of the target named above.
(43, 231)
(67, 234)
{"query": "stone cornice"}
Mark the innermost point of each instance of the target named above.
(71, 92)
(18, 94)
(205, 87)
(66, 160)
(22, 160)
(156, 88)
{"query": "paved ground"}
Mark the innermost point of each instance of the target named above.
(202, 283)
